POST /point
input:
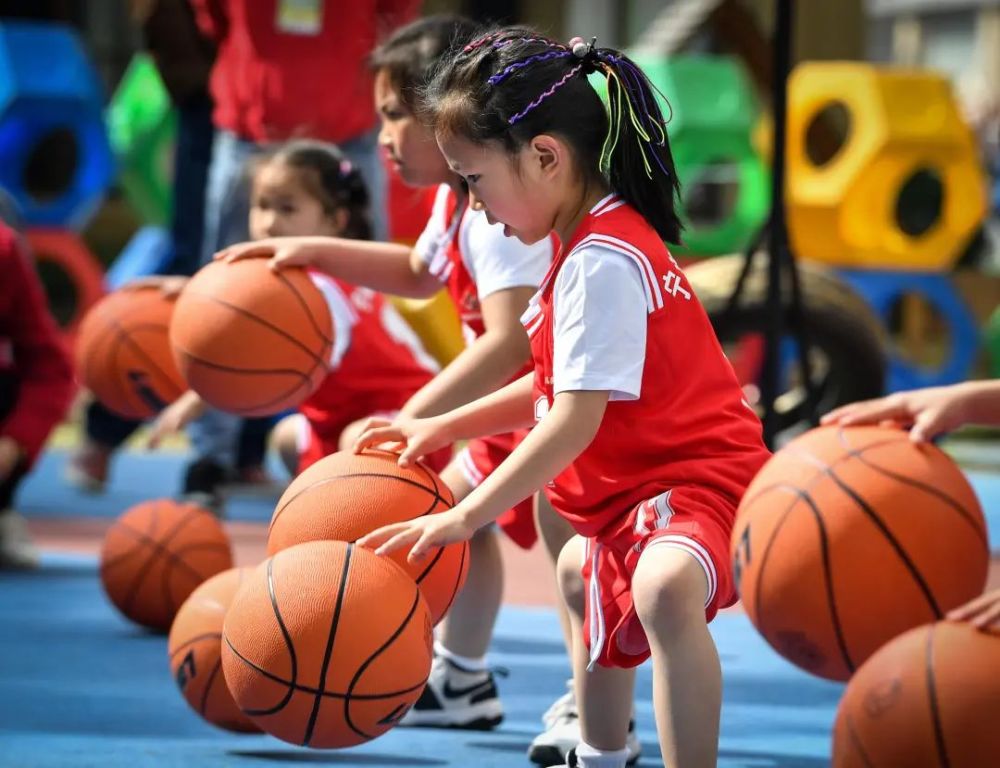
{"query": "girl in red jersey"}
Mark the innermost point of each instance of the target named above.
(490, 278)
(378, 362)
(642, 438)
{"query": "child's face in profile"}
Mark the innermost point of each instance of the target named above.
(510, 189)
(409, 144)
(281, 206)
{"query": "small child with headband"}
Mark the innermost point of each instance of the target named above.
(641, 436)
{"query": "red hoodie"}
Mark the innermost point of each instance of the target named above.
(31, 349)
(296, 68)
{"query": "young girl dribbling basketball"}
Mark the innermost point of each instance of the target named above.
(642, 438)
(378, 363)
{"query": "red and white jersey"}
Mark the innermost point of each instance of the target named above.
(473, 258)
(377, 361)
(616, 313)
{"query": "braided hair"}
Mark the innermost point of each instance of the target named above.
(511, 84)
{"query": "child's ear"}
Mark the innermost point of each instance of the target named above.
(548, 154)
(340, 218)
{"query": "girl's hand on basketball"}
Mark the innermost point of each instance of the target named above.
(170, 285)
(983, 612)
(175, 417)
(928, 412)
(281, 252)
(423, 533)
(418, 437)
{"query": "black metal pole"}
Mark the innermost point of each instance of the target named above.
(779, 254)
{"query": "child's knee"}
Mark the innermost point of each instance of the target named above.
(568, 570)
(669, 586)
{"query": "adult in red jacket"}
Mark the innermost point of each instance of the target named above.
(284, 69)
(36, 384)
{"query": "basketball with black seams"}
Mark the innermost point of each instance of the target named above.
(347, 495)
(327, 645)
(850, 536)
(156, 554)
(194, 649)
(123, 353)
(249, 340)
(928, 698)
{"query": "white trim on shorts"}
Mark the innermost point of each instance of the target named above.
(469, 469)
(697, 551)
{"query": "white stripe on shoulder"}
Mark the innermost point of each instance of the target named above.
(610, 207)
(597, 209)
(654, 296)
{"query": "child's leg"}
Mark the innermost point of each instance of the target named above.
(669, 589)
(604, 694)
(468, 628)
(286, 441)
(554, 532)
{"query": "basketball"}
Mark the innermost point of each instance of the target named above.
(928, 698)
(327, 645)
(195, 651)
(849, 537)
(249, 340)
(123, 353)
(156, 554)
(347, 495)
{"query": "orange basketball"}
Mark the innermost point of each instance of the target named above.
(931, 697)
(850, 536)
(347, 495)
(327, 645)
(249, 340)
(123, 353)
(155, 555)
(195, 651)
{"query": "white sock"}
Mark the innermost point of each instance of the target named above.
(590, 757)
(466, 663)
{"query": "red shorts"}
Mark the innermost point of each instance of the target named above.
(314, 442)
(693, 520)
(477, 460)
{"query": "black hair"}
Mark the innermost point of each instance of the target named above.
(408, 57)
(512, 84)
(330, 177)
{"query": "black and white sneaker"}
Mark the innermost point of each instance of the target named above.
(456, 698)
(554, 746)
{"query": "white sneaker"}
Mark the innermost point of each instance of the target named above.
(560, 707)
(16, 550)
(456, 698)
(553, 746)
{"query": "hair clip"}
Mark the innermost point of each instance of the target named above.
(345, 167)
(582, 49)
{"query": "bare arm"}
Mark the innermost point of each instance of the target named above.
(488, 363)
(549, 448)
(501, 411)
(385, 267)
(930, 411)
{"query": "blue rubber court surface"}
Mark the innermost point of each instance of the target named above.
(80, 686)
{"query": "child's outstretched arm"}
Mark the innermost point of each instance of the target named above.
(549, 448)
(506, 409)
(385, 267)
(928, 412)
(175, 417)
(486, 364)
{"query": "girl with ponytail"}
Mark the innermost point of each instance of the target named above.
(641, 437)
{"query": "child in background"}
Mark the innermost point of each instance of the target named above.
(36, 385)
(928, 413)
(642, 439)
(490, 278)
(378, 363)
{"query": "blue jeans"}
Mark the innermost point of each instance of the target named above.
(227, 212)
